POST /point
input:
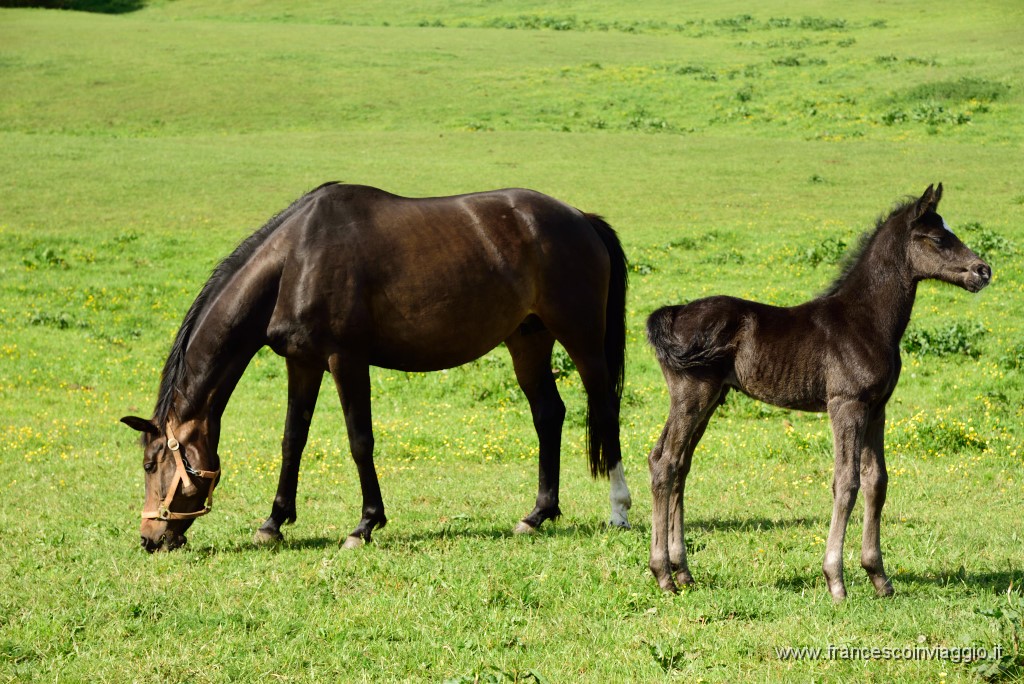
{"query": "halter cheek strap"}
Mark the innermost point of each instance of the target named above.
(181, 475)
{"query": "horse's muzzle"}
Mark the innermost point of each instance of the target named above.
(168, 541)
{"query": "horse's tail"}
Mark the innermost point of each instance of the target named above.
(706, 347)
(614, 346)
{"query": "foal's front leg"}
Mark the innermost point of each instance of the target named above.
(848, 418)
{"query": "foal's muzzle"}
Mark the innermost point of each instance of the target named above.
(979, 275)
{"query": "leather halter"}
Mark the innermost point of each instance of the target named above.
(181, 475)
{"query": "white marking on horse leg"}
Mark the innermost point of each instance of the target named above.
(353, 542)
(619, 497)
(263, 537)
(524, 528)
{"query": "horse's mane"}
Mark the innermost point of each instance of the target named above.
(176, 368)
(854, 255)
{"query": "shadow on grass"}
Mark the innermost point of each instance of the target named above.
(751, 524)
(97, 6)
(556, 529)
(995, 582)
(998, 582)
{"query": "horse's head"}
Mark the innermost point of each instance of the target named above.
(935, 252)
(178, 490)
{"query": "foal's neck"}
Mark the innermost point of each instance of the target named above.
(880, 289)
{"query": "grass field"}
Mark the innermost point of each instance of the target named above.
(737, 148)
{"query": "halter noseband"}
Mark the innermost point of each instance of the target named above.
(182, 470)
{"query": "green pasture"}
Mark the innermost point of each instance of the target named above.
(737, 148)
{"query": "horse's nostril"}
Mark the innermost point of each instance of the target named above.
(983, 271)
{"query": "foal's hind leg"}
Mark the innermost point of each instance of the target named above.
(693, 401)
(874, 480)
(531, 357)
(303, 388)
(676, 516)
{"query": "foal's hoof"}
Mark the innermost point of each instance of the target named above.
(523, 527)
(668, 586)
(352, 542)
(267, 537)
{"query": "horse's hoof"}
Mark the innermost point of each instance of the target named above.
(523, 527)
(265, 537)
(352, 542)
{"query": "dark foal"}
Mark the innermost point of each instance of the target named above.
(350, 277)
(838, 353)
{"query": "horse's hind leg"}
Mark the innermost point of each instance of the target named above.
(531, 357)
(352, 378)
(603, 427)
(303, 388)
(874, 481)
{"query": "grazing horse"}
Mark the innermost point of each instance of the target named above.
(838, 353)
(350, 277)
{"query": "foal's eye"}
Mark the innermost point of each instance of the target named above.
(939, 240)
(149, 466)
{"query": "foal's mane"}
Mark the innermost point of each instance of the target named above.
(176, 368)
(854, 255)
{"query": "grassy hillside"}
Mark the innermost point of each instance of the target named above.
(736, 148)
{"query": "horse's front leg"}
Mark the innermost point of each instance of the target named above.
(848, 417)
(352, 378)
(874, 480)
(303, 388)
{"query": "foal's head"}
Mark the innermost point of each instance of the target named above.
(933, 251)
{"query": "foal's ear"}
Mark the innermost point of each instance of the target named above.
(928, 202)
(141, 424)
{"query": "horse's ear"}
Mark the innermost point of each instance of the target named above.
(141, 424)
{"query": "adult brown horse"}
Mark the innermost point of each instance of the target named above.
(838, 353)
(350, 277)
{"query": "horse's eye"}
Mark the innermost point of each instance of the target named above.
(939, 240)
(149, 466)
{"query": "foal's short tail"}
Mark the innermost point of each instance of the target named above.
(706, 347)
(601, 461)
